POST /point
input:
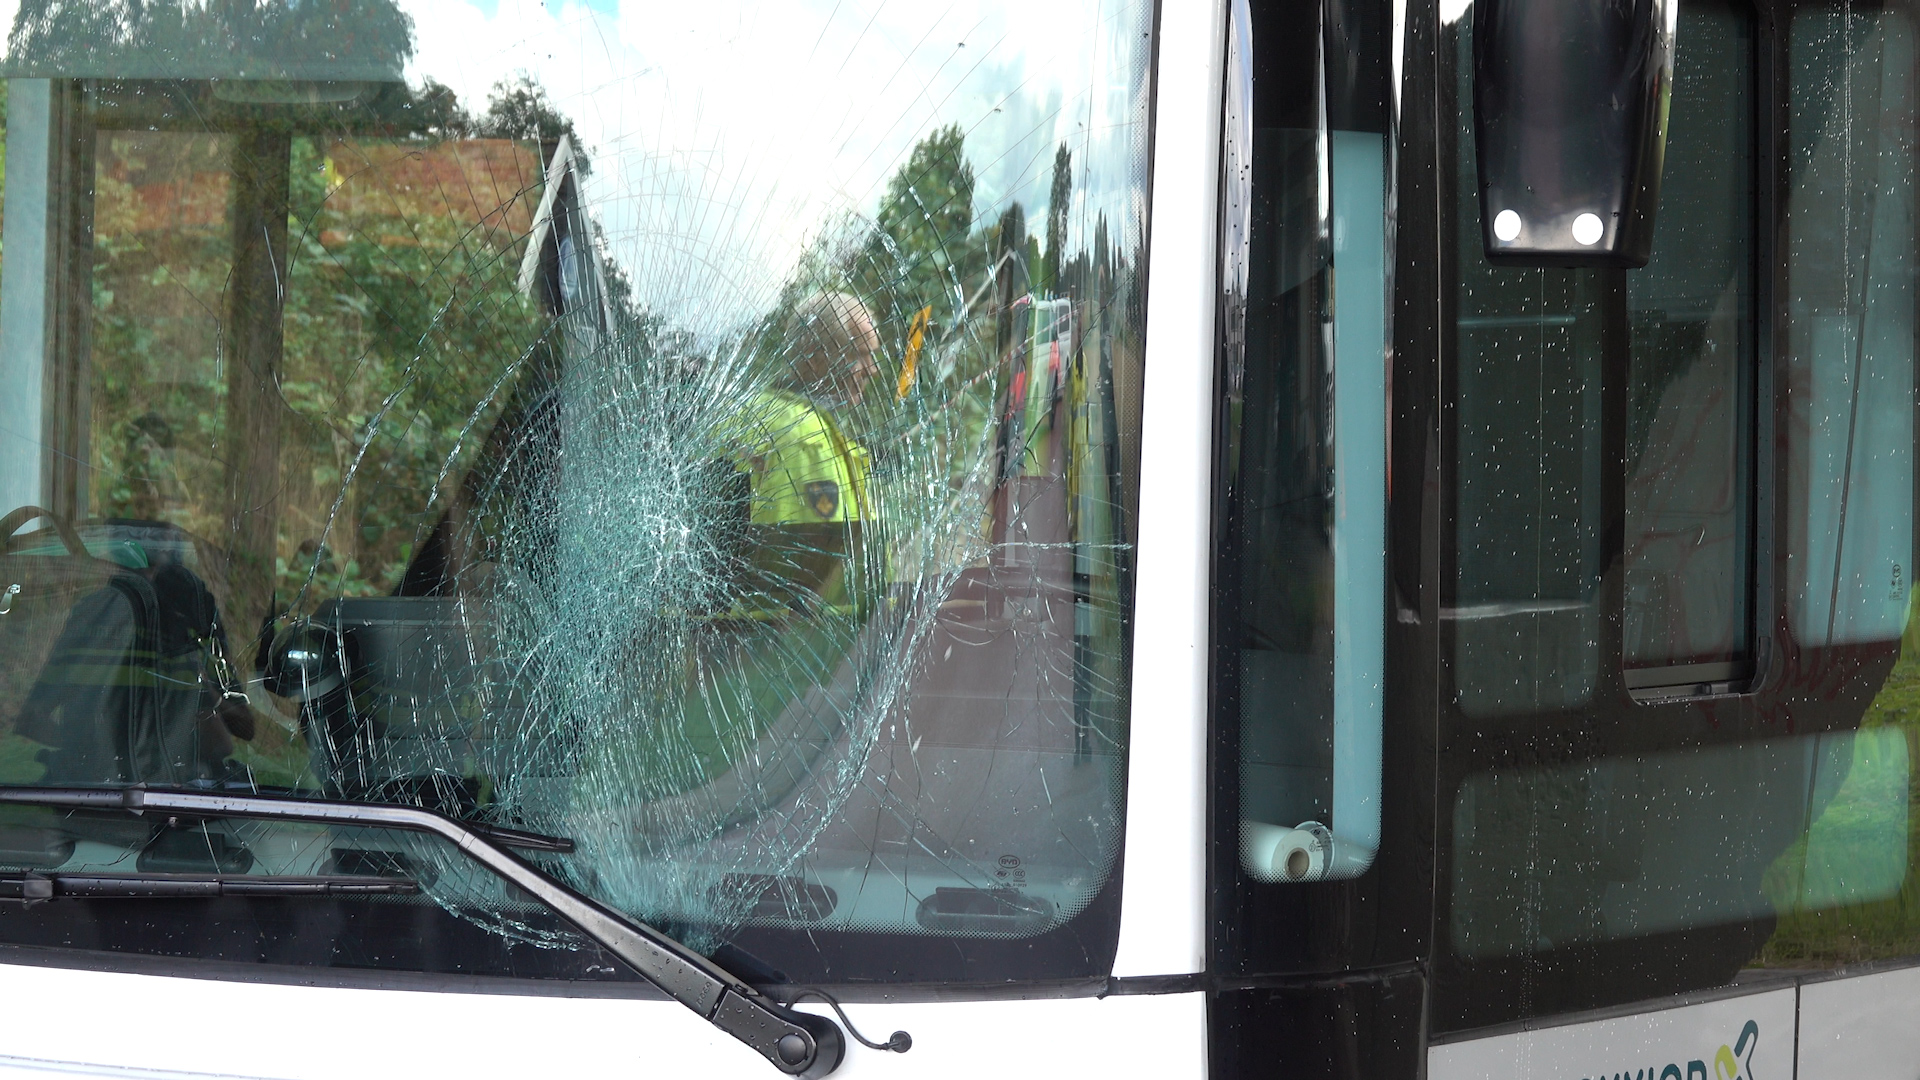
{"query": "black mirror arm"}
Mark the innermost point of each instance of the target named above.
(799, 1044)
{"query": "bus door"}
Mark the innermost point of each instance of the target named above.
(1645, 499)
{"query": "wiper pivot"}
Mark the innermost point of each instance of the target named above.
(58, 885)
(805, 1045)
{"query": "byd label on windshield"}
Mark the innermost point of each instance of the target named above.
(1739, 1038)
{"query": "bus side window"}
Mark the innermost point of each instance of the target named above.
(1527, 607)
(1525, 610)
(1850, 323)
(1603, 836)
(1691, 377)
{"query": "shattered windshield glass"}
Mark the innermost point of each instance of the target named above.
(705, 432)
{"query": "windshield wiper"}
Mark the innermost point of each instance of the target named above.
(499, 834)
(797, 1043)
(65, 884)
(521, 838)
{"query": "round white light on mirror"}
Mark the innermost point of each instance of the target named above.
(1506, 226)
(1587, 229)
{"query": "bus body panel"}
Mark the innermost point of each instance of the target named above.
(1858, 1026)
(1746, 1036)
(1861, 1027)
(69, 1022)
(1162, 924)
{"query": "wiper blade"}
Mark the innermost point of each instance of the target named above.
(797, 1043)
(65, 885)
(521, 838)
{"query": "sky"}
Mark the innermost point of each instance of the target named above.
(730, 138)
(726, 137)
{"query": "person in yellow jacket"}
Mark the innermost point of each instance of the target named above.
(796, 515)
(809, 490)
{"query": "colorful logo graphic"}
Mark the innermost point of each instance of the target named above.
(1730, 1062)
(823, 496)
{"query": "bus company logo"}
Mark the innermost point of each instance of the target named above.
(1730, 1062)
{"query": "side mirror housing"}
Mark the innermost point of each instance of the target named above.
(305, 662)
(1570, 101)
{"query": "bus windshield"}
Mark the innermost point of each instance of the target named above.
(709, 434)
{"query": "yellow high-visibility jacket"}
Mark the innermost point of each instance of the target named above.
(801, 468)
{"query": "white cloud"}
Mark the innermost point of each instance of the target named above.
(726, 137)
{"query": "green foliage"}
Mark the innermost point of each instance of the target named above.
(919, 251)
(435, 110)
(20, 760)
(402, 331)
(1876, 929)
(1059, 201)
(922, 249)
(264, 39)
(397, 347)
(519, 108)
(3, 136)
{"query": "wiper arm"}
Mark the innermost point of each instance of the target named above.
(797, 1043)
(499, 834)
(65, 884)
